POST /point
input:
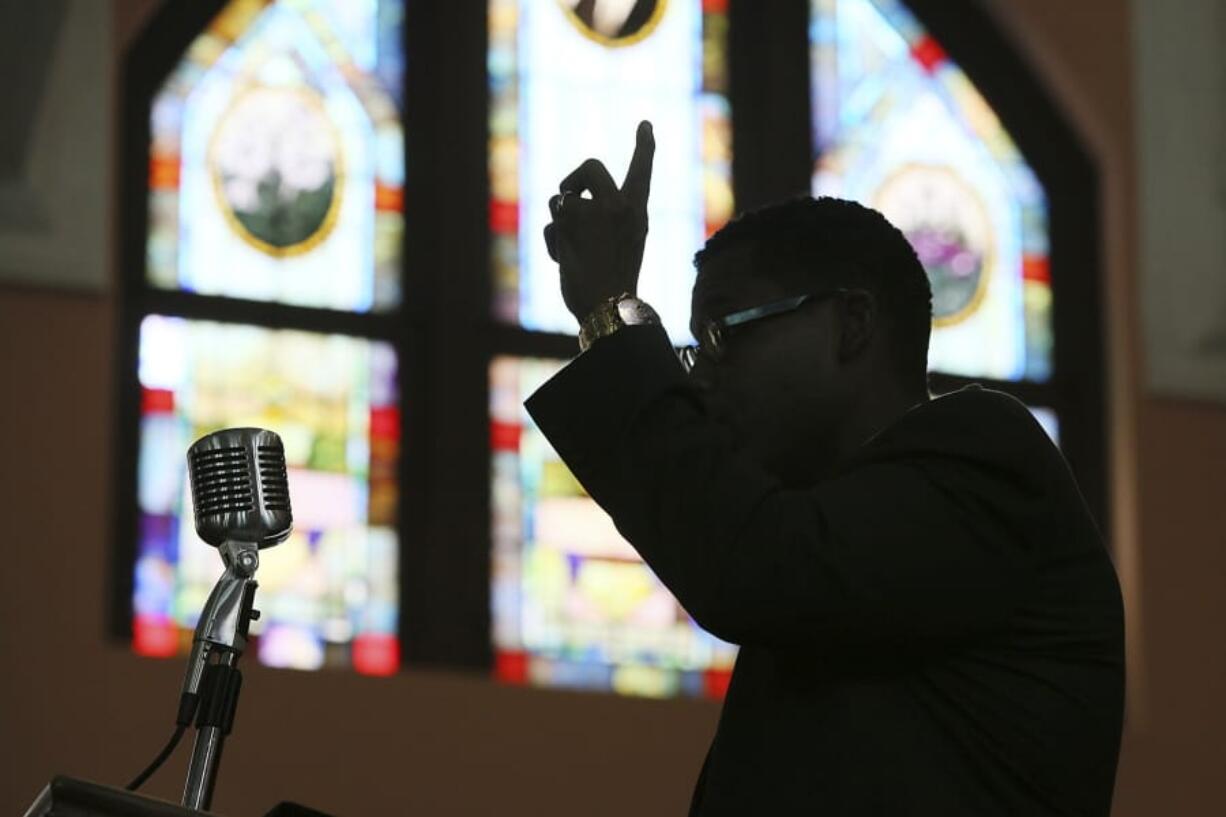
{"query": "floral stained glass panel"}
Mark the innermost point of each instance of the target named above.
(898, 126)
(329, 594)
(573, 604)
(571, 80)
(277, 167)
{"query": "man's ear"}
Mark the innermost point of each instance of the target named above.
(858, 322)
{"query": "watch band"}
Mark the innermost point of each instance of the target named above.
(611, 315)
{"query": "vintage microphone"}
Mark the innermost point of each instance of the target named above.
(240, 496)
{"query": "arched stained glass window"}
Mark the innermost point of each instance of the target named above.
(898, 126)
(277, 157)
(573, 605)
(265, 289)
(570, 80)
(276, 173)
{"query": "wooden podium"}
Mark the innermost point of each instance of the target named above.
(68, 797)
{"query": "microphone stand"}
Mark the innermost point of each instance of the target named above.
(212, 683)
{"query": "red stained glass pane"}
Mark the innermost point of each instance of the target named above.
(376, 654)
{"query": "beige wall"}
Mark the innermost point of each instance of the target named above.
(1167, 455)
(432, 743)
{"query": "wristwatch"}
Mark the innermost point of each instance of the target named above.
(611, 315)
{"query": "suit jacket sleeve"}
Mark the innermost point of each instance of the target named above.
(924, 536)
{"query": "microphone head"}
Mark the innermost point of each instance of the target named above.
(239, 487)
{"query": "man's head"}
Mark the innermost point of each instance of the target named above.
(808, 384)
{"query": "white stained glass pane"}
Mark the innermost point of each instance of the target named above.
(565, 89)
(276, 167)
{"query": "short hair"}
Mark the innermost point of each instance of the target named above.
(806, 243)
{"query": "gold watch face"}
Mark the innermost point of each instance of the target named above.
(632, 311)
(614, 22)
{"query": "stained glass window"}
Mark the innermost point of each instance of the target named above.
(897, 125)
(569, 80)
(276, 174)
(573, 604)
(277, 157)
(329, 593)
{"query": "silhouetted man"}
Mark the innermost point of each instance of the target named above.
(929, 622)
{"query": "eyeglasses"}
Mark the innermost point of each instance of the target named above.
(711, 339)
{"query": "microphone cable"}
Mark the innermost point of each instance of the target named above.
(187, 710)
(166, 752)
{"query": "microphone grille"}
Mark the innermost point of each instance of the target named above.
(274, 485)
(240, 488)
(221, 481)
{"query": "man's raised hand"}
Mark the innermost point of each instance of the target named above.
(598, 241)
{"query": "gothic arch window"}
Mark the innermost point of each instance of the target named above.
(898, 124)
(274, 222)
(572, 603)
(288, 261)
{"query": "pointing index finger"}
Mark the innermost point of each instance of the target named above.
(637, 185)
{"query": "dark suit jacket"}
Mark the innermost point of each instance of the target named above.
(937, 629)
